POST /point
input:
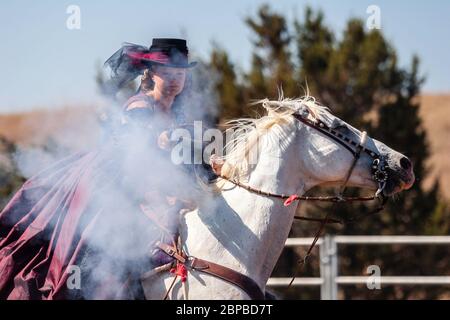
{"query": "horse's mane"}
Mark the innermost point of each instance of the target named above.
(246, 132)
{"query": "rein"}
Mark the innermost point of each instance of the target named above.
(295, 197)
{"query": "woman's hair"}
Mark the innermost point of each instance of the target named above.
(147, 83)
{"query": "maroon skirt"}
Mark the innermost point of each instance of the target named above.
(74, 231)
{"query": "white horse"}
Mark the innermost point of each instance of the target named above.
(245, 231)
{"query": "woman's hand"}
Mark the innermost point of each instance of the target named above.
(164, 140)
(216, 164)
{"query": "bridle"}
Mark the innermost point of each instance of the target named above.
(378, 168)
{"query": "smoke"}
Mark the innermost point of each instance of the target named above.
(43, 137)
(119, 183)
(203, 104)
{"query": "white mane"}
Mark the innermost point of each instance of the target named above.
(246, 132)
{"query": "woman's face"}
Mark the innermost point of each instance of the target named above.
(168, 81)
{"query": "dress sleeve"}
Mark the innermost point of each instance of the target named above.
(141, 117)
(135, 123)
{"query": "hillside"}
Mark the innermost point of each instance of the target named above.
(435, 112)
(74, 126)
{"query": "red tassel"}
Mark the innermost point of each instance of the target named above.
(290, 200)
(180, 270)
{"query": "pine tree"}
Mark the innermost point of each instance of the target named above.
(226, 84)
(272, 38)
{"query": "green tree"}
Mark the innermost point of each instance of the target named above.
(10, 177)
(272, 38)
(314, 43)
(226, 84)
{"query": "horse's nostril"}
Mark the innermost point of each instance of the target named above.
(405, 163)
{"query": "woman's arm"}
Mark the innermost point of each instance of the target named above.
(139, 114)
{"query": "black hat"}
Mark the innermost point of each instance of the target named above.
(132, 59)
(166, 52)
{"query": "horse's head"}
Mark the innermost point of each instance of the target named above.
(319, 148)
(328, 146)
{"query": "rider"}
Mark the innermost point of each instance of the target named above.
(88, 214)
(158, 105)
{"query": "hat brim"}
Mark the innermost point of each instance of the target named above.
(184, 65)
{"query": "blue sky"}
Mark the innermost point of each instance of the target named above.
(44, 64)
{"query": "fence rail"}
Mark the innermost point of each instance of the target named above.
(329, 279)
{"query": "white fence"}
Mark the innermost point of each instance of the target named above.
(330, 280)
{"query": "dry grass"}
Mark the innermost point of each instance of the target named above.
(435, 112)
(77, 124)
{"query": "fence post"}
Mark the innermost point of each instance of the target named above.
(328, 268)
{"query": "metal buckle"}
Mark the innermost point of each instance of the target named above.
(190, 262)
(380, 176)
(379, 173)
(170, 252)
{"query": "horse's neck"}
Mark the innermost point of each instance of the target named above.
(243, 230)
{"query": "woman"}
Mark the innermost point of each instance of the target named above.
(83, 228)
